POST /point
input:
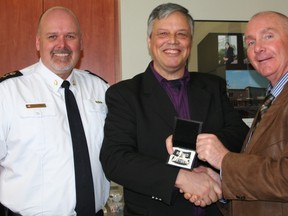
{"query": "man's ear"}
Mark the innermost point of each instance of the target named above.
(149, 41)
(37, 43)
(81, 44)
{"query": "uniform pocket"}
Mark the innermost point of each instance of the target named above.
(95, 106)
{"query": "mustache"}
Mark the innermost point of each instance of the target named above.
(62, 51)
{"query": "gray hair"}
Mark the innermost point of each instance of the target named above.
(163, 11)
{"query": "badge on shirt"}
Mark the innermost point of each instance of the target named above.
(31, 106)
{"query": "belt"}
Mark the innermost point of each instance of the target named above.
(7, 212)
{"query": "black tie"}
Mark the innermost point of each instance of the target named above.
(85, 200)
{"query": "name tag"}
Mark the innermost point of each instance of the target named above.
(30, 106)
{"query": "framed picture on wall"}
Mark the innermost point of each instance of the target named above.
(219, 48)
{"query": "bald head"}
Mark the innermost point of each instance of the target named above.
(57, 9)
(273, 14)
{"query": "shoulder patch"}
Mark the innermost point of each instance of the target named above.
(96, 75)
(10, 75)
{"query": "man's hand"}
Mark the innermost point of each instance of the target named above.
(197, 199)
(210, 149)
(199, 187)
(169, 144)
(214, 175)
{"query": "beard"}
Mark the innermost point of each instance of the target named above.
(62, 67)
(62, 60)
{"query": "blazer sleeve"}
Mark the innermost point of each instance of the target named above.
(255, 177)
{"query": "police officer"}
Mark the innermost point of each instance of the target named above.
(36, 155)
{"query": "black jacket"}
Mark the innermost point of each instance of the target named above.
(140, 118)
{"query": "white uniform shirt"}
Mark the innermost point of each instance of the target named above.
(36, 155)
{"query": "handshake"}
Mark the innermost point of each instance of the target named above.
(202, 185)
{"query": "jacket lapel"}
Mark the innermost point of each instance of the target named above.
(157, 97)
(266, 122)
(197, 94)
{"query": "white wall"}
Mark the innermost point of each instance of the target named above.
(134, 15)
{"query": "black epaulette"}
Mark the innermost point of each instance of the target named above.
(10, 75)
(96, 75)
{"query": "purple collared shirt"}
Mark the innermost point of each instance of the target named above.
(177, 92)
